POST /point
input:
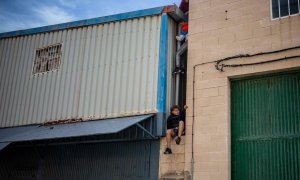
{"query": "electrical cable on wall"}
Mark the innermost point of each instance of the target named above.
(219, 66)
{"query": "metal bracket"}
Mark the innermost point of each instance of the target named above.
(146, 131)
(178, 70)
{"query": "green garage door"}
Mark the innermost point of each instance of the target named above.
(265, 125)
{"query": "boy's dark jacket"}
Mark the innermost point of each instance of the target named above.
(173, 120)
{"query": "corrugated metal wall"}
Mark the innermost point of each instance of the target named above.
(123, 160)
(266, 128)
(107, 70)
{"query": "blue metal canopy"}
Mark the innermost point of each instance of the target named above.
(87, 128)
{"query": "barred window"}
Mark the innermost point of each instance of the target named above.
(284, 8)
(47, 59)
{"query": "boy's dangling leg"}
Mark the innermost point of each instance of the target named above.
(170, 133)
(180, 131)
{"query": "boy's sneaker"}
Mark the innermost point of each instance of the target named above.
(177, 140)
(168, 151)
(180, 38)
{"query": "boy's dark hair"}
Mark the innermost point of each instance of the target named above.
(175, 107)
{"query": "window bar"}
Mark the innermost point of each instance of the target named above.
(298, 6)
(34, 63)
(41, 60)
(55, 60)
(53, 54)
(279, 9)
(60, 55)
(53, 57)
(45, 60)
(57, 56)
(289, 7)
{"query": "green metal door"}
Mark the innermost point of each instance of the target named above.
(265, 128)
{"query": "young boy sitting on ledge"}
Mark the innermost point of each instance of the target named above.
(175, 126)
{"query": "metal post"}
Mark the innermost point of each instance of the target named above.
(179, 52)
(177, 75)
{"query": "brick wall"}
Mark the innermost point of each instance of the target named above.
(174, 162)
(246, 27)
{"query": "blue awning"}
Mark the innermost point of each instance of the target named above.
(87, 128)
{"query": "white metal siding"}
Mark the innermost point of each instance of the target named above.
(172, 32)
(107, 70)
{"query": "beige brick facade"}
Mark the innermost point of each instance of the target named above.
(174, 162)
(219, 29)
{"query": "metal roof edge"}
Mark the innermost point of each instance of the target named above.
(175, 13)
(86, 128)
(162, 66)
(172, 10)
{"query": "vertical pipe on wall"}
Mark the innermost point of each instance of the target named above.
(177, 65)
(177, 75)
(180, 51)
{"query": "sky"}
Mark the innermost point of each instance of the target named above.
(25, 14)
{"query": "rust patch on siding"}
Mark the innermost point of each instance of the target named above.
(65, 121)
(170, 8)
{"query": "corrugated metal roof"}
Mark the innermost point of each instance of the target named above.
(173, 10)
(39, 132)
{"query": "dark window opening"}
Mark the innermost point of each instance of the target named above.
(275, 9)
(284, 8)
(294, 6)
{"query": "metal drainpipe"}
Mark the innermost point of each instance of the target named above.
(177, 75)
(179, 52)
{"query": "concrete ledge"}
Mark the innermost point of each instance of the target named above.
(176, 175)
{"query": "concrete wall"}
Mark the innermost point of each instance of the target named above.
(214, 34)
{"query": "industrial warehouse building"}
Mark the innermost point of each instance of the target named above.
(87, 99)
(97, 110)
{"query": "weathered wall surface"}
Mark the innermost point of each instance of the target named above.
(107, 70)
(214, 34)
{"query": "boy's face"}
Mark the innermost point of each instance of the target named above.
(175, 111)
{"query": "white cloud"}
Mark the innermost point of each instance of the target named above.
(41, 16)
(68, 3)
(73, 3)
(53, 15)
(11, 24)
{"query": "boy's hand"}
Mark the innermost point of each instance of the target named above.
(185, 107)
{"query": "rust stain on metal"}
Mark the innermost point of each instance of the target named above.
(170, 8)
(63, 121)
